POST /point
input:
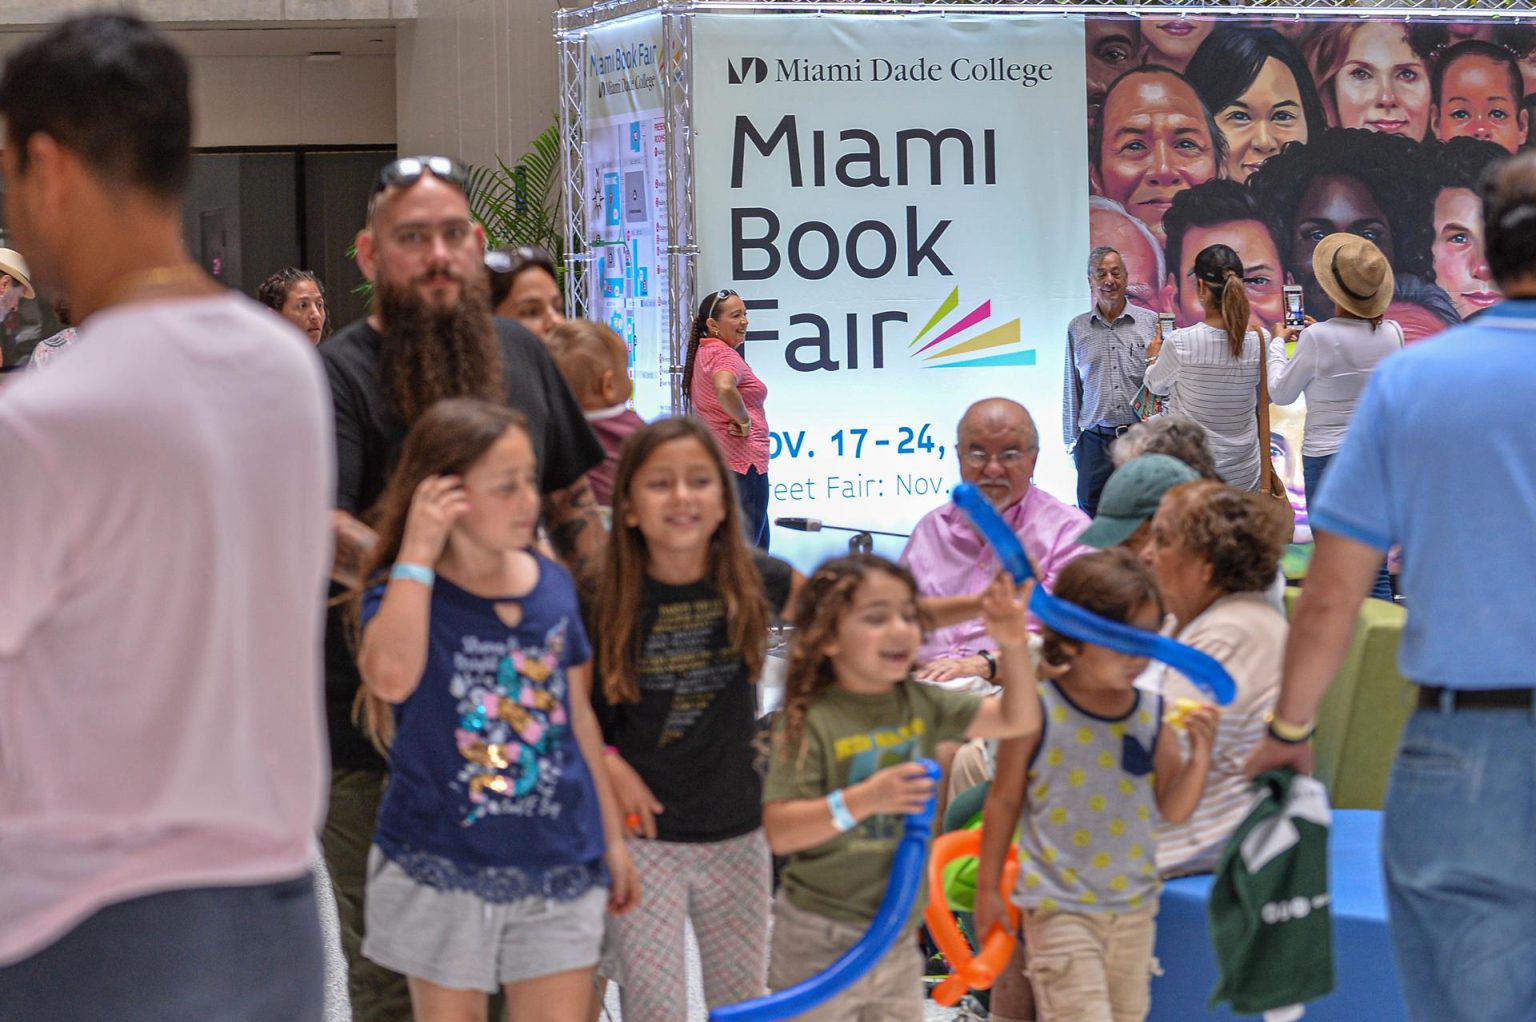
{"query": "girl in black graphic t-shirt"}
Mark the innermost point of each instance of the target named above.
(680, 618)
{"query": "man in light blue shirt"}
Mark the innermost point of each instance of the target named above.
(1441, 458)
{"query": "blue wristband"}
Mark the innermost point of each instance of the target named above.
(842, 819)
(414, 573)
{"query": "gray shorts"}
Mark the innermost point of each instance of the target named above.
(459, 940)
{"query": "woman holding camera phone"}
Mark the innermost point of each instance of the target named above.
(1210, 371)
(1334, 359)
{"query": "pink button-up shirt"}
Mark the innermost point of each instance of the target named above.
(949, 558)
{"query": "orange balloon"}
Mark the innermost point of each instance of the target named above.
(969, 971)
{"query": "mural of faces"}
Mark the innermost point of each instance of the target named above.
(1263, 271)
(1139, 253)
(1334, 203)
(1227, 95)
(1274, 133)
(1479, 97)
(1114, 47)
(1156, 142)
(1171, 42)
(1460, 266)
(1263, 119)
(1384, 85)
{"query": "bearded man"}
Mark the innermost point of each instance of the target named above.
(430, 336)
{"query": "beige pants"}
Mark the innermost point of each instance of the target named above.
(805, 943)
(1091, 968)
(969, 768)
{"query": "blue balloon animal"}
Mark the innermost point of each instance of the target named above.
(889, 923)
(1072, 620)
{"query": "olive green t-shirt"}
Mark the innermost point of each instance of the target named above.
(848, 737)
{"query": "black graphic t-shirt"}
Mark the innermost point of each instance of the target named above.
(692, 736)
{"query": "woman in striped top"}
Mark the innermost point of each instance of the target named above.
(1210, 372)
(1213, 550)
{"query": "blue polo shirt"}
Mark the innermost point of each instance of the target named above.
(1441, 458)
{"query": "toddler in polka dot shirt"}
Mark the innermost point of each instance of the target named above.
(1083, 797)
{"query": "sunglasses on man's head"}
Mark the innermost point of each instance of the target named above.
(407, 170)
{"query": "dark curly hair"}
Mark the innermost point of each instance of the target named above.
(1461, 162)
(826, 597)
(1112, 583)
(1393, 169)
(273, 292)
(1240, 534)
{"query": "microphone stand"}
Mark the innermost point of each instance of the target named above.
(862, 541)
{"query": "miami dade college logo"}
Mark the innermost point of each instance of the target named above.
(748, 69)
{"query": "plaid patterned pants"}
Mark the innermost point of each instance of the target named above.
(722, 887)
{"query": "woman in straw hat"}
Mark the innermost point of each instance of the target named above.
(1334, 359)
(15, 281)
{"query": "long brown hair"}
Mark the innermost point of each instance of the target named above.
(826, 597)
(619, 590)
(1219, 268)
(448, 439)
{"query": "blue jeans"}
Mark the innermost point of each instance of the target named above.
(752, 492)
(209, 954)
(1461, 865)
(1094, 467)
(1312, 469)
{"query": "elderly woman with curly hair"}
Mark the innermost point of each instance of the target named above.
(1214, 549)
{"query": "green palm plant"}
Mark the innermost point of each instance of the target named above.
(520, 204)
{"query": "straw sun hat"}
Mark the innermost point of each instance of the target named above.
(1354, 274)
(15, 267)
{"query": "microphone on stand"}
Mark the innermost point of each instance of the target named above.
(799, 524)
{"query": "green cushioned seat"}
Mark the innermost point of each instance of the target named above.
(1362, 716)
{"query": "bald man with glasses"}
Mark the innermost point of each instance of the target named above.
(997, 444)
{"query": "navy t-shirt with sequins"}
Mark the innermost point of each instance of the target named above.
(488, 788)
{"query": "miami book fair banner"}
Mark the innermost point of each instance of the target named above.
(906, 199)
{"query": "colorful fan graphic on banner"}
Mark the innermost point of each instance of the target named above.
(1006, 335)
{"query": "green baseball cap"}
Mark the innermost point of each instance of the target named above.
(1131, 497)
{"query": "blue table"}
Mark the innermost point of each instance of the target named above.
(1367, 986)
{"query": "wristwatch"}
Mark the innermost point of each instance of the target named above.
(986, 654)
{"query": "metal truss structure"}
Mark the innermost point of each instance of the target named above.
(572, 24)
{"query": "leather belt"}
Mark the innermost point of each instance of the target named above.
(1434, 697)
(1109, 430)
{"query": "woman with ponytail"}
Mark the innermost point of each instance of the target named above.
(1211, 371)
(724, 392)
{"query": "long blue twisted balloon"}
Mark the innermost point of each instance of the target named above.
(889, 924)
(1070, 619)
